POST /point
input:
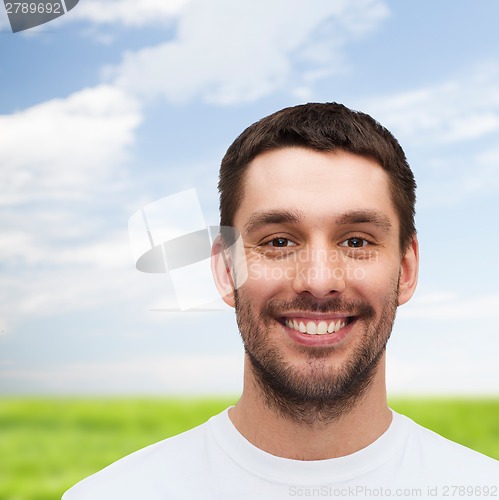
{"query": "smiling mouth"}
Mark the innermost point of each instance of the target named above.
(315, 327)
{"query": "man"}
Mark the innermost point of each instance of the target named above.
(323, 200)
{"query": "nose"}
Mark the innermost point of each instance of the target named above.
(321, 273)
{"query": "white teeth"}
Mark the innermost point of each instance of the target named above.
(322, 328)
(312, 328)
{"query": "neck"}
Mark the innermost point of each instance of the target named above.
(313, 439)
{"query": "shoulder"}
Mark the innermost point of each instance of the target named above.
(444, 459)
(144, 473)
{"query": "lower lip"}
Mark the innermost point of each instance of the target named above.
(317, 340)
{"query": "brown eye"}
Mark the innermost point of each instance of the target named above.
(279, 242)
(354, 243)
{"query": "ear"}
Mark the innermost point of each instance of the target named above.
(409, 269)
(221, 267)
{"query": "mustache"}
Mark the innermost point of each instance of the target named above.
(276, 308)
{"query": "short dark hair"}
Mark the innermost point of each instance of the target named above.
(321, 127)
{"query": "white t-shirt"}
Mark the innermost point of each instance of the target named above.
(215, 462)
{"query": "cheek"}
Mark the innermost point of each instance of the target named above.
(373, 280)
(267, 278)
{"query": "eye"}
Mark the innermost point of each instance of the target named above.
(280, 242)
(354, 242)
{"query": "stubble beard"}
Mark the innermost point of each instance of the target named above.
(325, 392)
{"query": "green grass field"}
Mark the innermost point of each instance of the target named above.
(46, 445)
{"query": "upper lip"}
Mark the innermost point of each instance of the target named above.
(315, 316)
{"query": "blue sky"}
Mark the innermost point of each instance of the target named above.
(121, 103)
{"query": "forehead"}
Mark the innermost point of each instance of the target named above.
(315, 183)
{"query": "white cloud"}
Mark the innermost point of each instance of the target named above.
(58, 260)
(129, 13)
(464, 108)
(59, 254)
(63, 148)
(39, 249)
(229, 52)
(455, 374)
(445, 344)
(455, 178)
(452, 127)
(216, 374)
(45, 275)
(63, 290)
(444, 306)
(484, 177)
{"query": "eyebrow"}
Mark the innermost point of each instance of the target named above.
(264, 218)
(373, 217)
(260, 219)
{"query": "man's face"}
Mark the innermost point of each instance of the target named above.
(325, 273)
